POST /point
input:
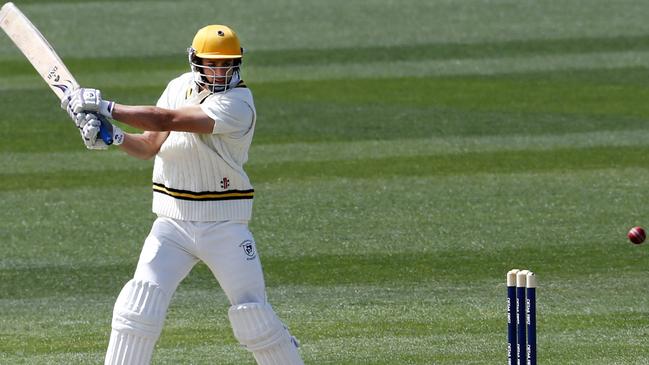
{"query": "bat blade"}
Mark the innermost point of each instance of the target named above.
(42, 56)
(36, 49)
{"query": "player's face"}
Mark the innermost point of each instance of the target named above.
(219, 71)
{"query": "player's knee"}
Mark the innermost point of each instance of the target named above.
(257, 327)
(140, 309)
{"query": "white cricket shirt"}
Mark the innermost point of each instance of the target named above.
(200, 177)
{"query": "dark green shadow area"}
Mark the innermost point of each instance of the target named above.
(373, 109)
(373, 54)
(435, 165)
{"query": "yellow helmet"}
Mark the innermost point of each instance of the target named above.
(216, 42)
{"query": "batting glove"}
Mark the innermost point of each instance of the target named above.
(86, 99)
(90, 125)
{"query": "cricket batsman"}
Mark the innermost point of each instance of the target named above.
(199, 133)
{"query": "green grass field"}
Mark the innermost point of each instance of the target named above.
(407, 155)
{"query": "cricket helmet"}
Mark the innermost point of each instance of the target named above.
(215, 42)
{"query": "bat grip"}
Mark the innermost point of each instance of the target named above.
(105, 130)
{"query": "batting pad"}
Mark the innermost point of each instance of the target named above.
(138, 317)
(257, 327)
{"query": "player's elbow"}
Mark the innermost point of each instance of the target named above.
(176, 118)
(169, 120)
(163, 120)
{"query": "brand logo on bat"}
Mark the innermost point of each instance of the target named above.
(53, 74)
(63, 88)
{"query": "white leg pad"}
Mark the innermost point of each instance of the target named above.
(257, 327)
(138, 317)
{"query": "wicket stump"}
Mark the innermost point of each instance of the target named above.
(521, 317)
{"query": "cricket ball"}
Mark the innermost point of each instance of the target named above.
(637, 235)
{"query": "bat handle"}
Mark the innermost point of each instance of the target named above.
(105, 130)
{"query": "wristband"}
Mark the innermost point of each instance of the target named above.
(106, 108)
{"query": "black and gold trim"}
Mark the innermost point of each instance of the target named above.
(190, 91)
(204, 195)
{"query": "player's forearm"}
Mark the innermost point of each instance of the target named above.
(146, 118)
(150, 118)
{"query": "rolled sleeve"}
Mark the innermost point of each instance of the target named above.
(230, 116)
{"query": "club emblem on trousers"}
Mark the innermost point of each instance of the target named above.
(249, 249)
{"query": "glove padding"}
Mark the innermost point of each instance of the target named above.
(89, 126)
(87, 100)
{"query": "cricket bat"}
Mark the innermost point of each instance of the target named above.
(42, 56)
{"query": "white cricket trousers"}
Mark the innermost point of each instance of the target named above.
(170, 251)
(227, 248)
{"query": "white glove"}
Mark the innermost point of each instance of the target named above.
(90, 125)
(80, 119)
(65, 105)
(89, 135)
(85, 100)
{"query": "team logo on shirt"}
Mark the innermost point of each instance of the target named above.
(249, 249)
(225, 182)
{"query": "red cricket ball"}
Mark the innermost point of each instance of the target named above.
(637, 235)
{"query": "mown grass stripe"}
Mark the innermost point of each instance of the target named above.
(506, 93)
(260, 154)
(115, 78)
(461, 164)
(372, 54)
(397, 109)
(390, 269)
(74, 179)
(498, 162)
